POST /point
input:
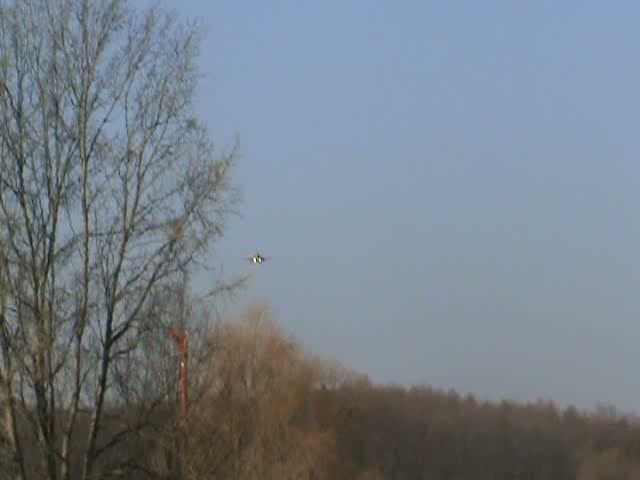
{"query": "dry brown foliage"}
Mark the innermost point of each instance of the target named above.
(254, 419)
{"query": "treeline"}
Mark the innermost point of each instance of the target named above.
(421, 433)
(264, 409)
(273, 412)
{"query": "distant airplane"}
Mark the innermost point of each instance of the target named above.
(257, 258)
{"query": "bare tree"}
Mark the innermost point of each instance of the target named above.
(254, 418)
(109, 191)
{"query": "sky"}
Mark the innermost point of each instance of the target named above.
(449, 190)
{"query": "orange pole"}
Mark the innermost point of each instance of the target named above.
(182, 342)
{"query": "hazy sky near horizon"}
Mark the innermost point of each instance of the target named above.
(449, 190)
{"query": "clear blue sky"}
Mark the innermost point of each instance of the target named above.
(450, 190)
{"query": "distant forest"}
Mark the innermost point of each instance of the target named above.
(339, 425)
(263, 408)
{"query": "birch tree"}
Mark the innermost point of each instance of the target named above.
(110, 189)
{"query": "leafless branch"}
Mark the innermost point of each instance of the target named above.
(109, 189)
